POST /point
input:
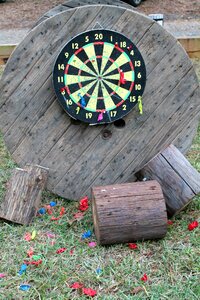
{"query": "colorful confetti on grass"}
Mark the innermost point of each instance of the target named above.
(193, 225)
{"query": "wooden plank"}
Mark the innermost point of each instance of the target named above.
(76, 3)
(46, 60)
(138, 207)
(23, 194)
(191, 45)
(33, 138)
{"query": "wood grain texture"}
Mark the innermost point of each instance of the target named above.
(37, 130)
(77, 3)
(182, 143)
(23, 194)
(129, 212)
(180, 182)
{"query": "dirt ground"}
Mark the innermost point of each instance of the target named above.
(23, 13)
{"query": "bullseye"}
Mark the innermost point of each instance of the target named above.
(102, 76)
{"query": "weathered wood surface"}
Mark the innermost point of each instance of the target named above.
(77, 3)
(36, 129)
(23, 194)
(190, 44)
(179, 180)
(128, 212)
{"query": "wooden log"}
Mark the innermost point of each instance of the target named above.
(179, 180)
(23, 194)
(129, 212)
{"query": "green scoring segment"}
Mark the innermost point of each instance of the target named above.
(99, 76)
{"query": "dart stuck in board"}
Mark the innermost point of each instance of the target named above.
(99, 76)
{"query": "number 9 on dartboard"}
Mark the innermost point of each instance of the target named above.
(99, 76)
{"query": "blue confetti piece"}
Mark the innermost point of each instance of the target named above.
(52, 203)
(86, 234)
(98, 271)
(42, 211)
(22, 269)
(24, 287)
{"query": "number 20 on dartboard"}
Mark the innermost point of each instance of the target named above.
(99, 76)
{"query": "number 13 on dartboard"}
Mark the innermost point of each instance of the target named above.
(99, 76)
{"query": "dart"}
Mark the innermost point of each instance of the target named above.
(82, 100)
(100, 117)
(122, 79)
(140, 106)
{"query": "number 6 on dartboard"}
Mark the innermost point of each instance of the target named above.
(102, 74)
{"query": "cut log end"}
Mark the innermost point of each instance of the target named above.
(128, 212)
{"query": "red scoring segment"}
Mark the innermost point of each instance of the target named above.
(95, 77)
(122, 80)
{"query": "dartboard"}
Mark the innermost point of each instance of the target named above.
(99, 76)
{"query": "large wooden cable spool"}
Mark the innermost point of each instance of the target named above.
(77, 3)
(182, 142)
(37, 130)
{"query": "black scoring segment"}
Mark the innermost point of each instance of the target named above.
(99, 76)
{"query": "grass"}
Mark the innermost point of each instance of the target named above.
(172, 264)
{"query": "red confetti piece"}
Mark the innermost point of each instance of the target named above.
(78, 215)
(55, 218)
(193, 225)
(169, 222)
(144, 277)
(62, 211)
(34, 262)
(61, 250)
(83, 204)
(132, 246)
(71, 252)
(76, 286)
(30, 252)
(52, 243)
(49, 209)
(89, 292)
(28, 236)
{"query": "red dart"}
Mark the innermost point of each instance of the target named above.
(122, 79)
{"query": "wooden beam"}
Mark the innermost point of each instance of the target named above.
(5, 52)
(191, 45)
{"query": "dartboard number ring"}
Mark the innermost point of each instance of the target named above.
(99, 76)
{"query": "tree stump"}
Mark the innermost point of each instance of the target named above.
(129, 212)
(179, 180)
(23, 194)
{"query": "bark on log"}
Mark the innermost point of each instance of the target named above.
(180, 182)
(23, 194)
(129, 212)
